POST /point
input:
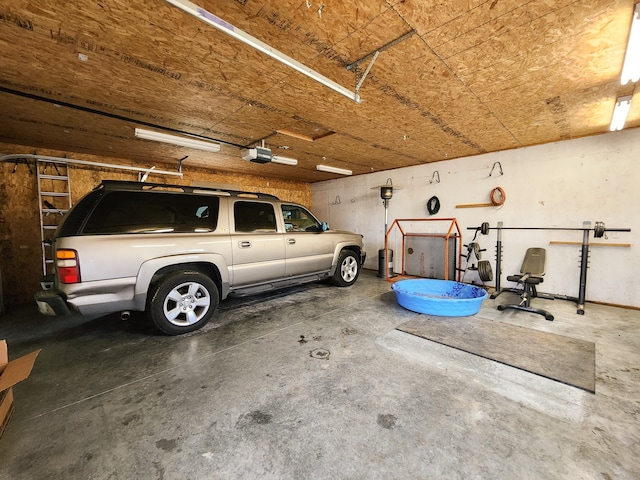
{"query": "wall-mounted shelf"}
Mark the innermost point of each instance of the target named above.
(552, 242)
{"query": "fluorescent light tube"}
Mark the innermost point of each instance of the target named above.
(284, 160)
(175, 140)
(620, 112)
(326, 168)
(631, 65)
(225, 27)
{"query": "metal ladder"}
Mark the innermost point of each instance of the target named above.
(54, 196)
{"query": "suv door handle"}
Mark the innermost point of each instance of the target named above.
(244, 244)
(291, 241)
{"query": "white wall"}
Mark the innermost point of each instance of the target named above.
(555, 185)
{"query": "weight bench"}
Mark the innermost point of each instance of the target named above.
(531, 273)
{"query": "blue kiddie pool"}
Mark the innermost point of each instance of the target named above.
(444, 298)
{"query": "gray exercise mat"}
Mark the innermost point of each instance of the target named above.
(564, 359)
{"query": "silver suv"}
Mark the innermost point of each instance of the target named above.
(175, 251)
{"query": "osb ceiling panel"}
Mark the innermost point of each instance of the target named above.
(452, 78)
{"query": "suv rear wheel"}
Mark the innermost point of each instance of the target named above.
(183, 302)
(348, 269)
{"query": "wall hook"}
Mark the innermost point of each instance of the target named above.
(494, 166)
(435, 177)
(337, 201)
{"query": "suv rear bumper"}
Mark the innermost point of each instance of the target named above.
(51, 303)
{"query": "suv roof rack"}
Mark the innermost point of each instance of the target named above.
(145, 186)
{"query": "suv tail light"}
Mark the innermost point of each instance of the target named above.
(68, 266)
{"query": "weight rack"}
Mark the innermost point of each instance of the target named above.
(599, 230)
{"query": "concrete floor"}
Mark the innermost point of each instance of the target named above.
(315, 383)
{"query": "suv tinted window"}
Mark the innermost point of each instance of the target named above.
(159, 212)
(254, 217)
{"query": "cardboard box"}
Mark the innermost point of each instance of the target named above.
(11, 372)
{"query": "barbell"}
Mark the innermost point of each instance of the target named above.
(599, 229)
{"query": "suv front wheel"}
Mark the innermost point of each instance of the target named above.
(348, 269)
(183, 302)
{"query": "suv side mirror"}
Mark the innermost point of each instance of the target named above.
(325, 227)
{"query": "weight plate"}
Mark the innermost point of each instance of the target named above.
(475, 248)
(484, 228)
(599, 230)
(484, 271)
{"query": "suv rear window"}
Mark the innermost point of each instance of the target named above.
(158, 212)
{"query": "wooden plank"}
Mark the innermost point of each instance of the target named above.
(475, 205)
(554, 242)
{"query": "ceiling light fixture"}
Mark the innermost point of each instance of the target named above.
(620, 112)
(284, 160)
(631, 65)
(327, 168)
(225, 27)
(175, 140)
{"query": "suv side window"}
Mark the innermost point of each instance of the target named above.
(159, 212)
(254, 217)
(297, 219)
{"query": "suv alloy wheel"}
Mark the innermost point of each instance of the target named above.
(182, 302)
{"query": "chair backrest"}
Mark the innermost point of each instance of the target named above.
(534, 262)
